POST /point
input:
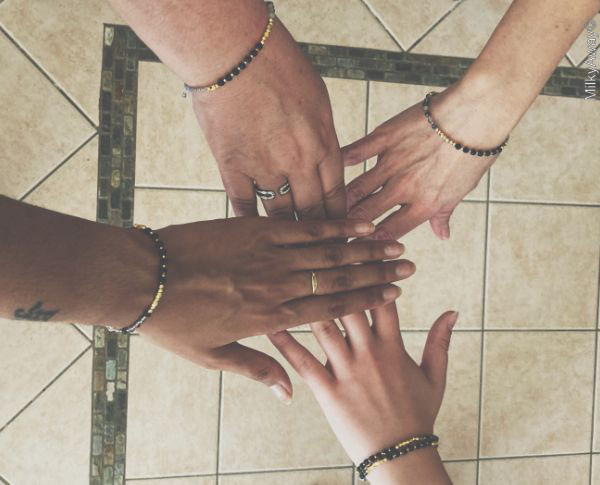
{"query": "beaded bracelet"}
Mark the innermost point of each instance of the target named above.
(242, 65)
(402, 448)
(162, 280)
(447, 139)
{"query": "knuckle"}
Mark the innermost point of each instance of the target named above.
(337, 309)
(314, 230)
(261, 373)
(335, 192)
(342, 281)
(356, 191)
(334, 255)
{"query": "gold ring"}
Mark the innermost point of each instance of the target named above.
(314, 281)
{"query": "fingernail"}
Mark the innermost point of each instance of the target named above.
(364, 228)
(281, 394)
(446, 233)
(393, 249)
(453, 320)
(405, 269)
(391, 293)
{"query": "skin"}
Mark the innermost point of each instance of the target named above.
(416, 168)
(227, 279)
(272, 123)
(373, 394)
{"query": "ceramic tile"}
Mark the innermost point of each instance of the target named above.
(462, 473)
(309, 477)
(537, 393)
(561, 470)
(387, 100)
(409, 20)
(33, 353)
(466, 30)
(449, 273)
(49, 442)
(172, 414)
(281, 436)
(457, 421)
(35, 142)
(543, 266)
(175, 481)
(579, 49)
(159, 207)
(553, 154)
(73, 187)
(349, 106)
(339, 22)
(171, 150)
(595, 470)
(65, 38)
(596, 438)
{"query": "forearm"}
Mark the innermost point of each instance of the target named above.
(61, 268)
(415, 468)
(199, 40)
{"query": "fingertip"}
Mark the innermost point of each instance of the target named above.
(281, 393)
(452, 319)
(391, 293)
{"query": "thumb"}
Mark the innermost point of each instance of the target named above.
(256, 365)
(440, 223)
(435, 354)
(369, 146)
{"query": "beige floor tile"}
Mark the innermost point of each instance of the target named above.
(73, 187)
(171, 150)
(158, 207)
(466, 30)
(175, 481)
(408, 20)
(339, 22)
(553, 154)
(579, 49)
(310, 477)
(258, 432)
(457, 422)
(595, 470)
(172, 414)
(537, 393)
(49, 443)
(596, 442)
(33, 353)
(65, 38)
(388, 99)
(571, 470)
(39, 127)
(449, 273)
(542, 266)
(462, 473)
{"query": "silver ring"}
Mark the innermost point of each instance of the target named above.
(284, 189)
(266, 194)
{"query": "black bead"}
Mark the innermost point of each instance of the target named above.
(458, 146)
(480, 153)
(258, 46)
(236, 71)
(242, 65)
(229, 77)
(473, 151)
(254, 53)
(466, 149)
(248, 59)
(434, 126)
(221, 82)
(487, 153)
(499, 149)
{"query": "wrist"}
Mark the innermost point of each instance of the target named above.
(418, 467)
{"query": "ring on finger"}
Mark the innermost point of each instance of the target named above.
(314, 282)
(267, 194)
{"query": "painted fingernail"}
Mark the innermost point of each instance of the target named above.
(391, 293)
(453, 320)
(281, 394)
(394, 249)
(364, 228)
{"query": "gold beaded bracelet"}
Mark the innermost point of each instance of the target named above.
(236, 71)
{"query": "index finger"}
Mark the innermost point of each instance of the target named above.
(400, 222)
(241, 193)
(283, 232)
(331, 171)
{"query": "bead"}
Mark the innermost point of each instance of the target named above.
(458, 146)
(247, 59)
(473, 151)
(480, 153)
(487, 153)
(221, 82)
(465, 149)
(229, 77)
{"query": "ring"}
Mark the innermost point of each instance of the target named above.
(314, 282)
(266, 194)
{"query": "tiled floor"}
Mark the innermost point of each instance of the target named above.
(522, 264)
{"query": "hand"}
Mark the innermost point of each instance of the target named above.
(372, 393)
(417, 169)
(273, 124)
(236, 278)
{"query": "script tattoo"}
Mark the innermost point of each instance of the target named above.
(36, 313)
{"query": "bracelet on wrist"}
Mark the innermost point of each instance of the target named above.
(402, 448)
(162, 280)
(459, 146)
(237, 70)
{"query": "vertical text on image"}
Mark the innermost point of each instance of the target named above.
(592, 40)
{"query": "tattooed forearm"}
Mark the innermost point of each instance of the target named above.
(35, 313)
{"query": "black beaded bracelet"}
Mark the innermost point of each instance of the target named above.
(162, 280)
(447, 139)
(242, 65)
(402, 448)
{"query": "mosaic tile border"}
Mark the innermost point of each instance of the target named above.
(122, 52)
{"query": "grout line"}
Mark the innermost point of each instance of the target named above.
(483, 321)
(435, 24)
(381, 22)
(3, 480)
(219, 421)
(57, 167)
(594, 384)
(527, 457)
(45, 388)
(490, 330)
(568, 57)
(546, 203)
(226, 206)
(78, 330)
(47, 75)
(167, 187)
